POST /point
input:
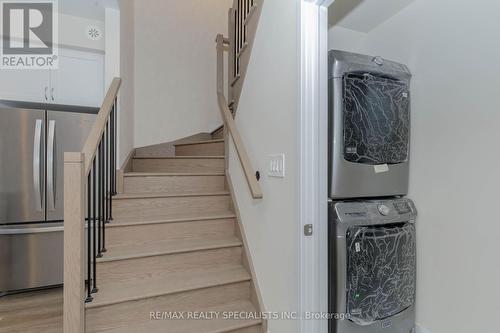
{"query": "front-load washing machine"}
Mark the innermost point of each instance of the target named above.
(369, 126)
(372, 266)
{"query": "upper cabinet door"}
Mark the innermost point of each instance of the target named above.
(79, 79)
(25, 85)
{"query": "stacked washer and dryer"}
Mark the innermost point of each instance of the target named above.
(372, 242)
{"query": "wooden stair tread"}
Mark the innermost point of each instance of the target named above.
(195, 157)
(139, 250)
(220, 325)
(128, 222)
(199, 142)
(125, 196)
(189, 279)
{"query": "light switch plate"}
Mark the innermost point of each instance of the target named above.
(276, 166)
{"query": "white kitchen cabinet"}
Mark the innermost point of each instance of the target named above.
(79, 80)
(31, 85)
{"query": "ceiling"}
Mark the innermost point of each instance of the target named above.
(364, 15)
(92, 9)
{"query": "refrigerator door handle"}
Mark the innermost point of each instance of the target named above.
(51, 163)
(37, 167)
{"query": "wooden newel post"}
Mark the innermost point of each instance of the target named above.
(74, 246)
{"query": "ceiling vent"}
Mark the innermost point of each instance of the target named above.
(94, 33)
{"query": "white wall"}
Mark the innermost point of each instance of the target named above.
(127, 90)
(112, 45)
(175, 68)
(452, 49)
(267, 119)
(73, 32)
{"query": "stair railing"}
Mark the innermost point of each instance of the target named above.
(243, 21)
(230, 128)
(89, 187)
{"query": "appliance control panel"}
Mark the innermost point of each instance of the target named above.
(376, 211)
(383, 209)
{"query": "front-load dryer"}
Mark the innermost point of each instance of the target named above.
(369, 126)
(372, 266)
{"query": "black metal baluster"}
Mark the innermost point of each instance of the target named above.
(242, 17)
(103, 222)
(94, 222)
(237, 30)
(89, 243)
(115, 130)
(99, 208)
(113, 168)
(234, 45)
(108, 169)
(105, 178)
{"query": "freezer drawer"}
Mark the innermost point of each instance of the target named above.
(31, 256)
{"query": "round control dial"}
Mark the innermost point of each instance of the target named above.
(378, 61)
(384, 210)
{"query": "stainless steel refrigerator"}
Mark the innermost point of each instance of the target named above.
(33, 139)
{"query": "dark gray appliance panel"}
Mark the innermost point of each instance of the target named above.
(66, 132)
(381, 270)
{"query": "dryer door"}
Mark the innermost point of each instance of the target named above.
(381, 268)
(376, 119)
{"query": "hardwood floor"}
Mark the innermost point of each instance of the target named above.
(33, 312)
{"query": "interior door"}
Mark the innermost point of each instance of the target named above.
(381, 267)
(25, 85)
(22, 171)
(66, 132)
(79, 80)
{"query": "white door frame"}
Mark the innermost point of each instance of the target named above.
(313, 161)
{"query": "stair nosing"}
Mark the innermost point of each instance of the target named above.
(172, 174)
(179, 220)
(228, 245)
(159, 294)
(168, 195)
(195, 157)
(201, 142)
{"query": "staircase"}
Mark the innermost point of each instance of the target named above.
(175, 247)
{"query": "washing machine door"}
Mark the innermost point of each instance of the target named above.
(381, 267)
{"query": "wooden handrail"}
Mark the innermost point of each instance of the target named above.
(230, 124)
(90, 147)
